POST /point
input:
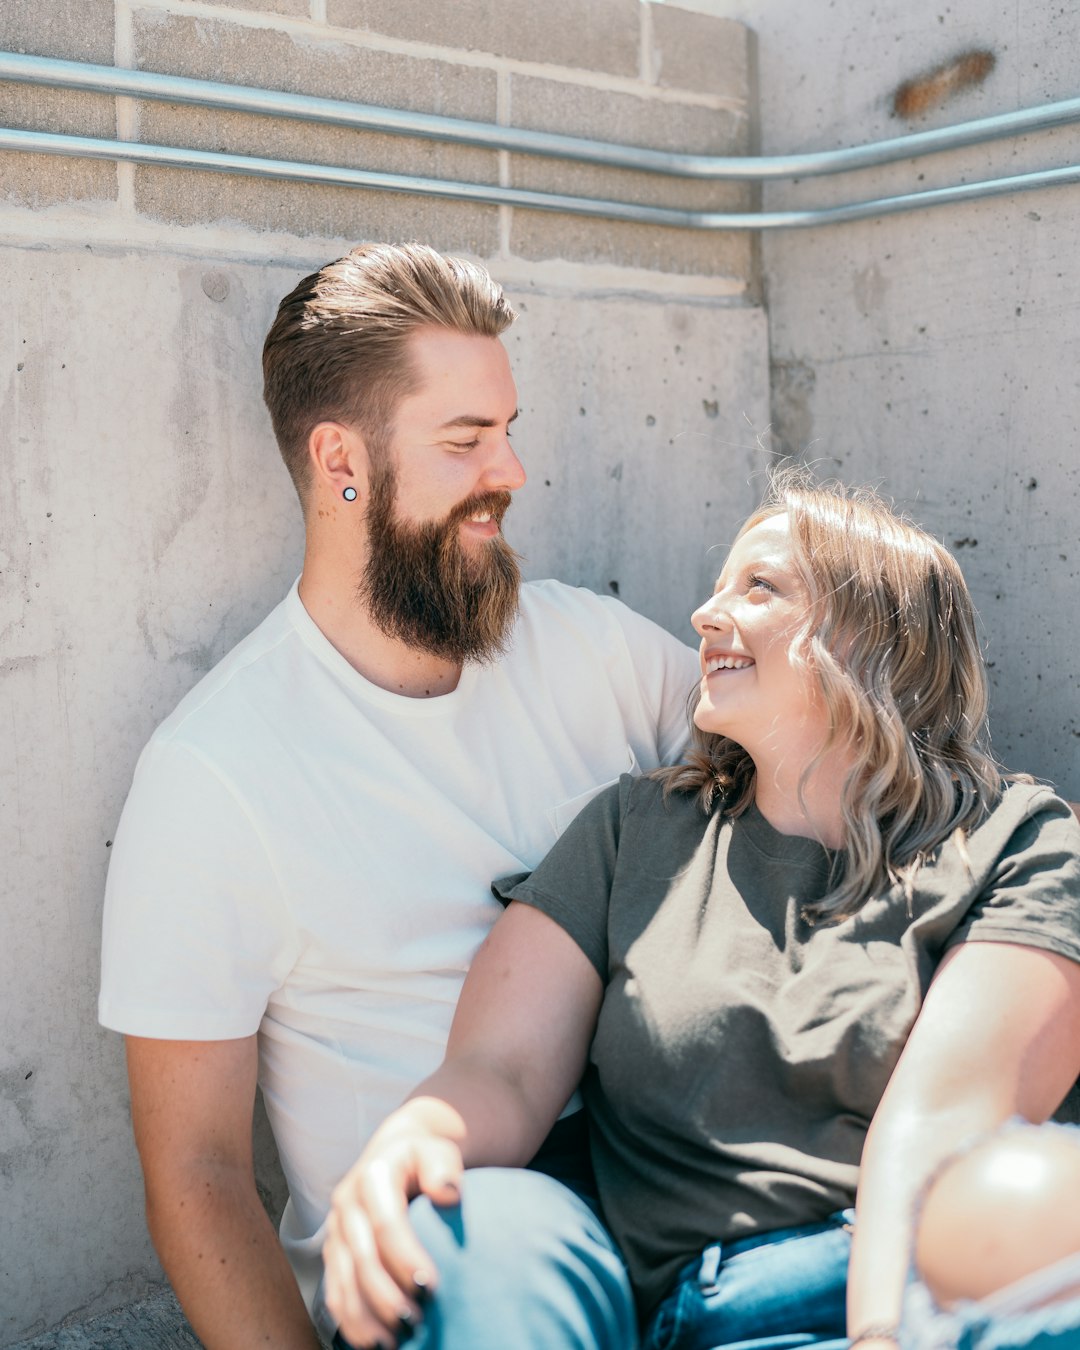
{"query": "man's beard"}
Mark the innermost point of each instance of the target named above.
(421, 587)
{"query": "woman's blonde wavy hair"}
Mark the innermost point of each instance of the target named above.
(890, 636)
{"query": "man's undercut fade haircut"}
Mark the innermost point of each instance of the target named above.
(337, 350)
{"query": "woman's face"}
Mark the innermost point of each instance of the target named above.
(750, 688)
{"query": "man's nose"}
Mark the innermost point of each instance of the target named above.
(504, 472)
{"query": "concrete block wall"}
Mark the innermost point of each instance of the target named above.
(146, 522)
(621, 70)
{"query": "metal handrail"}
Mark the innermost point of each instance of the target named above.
(52, 143)
(43, 70)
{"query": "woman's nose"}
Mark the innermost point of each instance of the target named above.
(707, 618)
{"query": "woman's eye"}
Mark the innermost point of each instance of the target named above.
(754, 583)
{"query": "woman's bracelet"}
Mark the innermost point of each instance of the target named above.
(879, 1331)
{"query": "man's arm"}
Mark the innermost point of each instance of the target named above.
(191, 1107)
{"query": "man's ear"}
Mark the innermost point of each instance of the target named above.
(339, 460)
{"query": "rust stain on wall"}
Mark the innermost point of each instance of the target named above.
(917, 96)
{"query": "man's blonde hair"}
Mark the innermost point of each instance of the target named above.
(337, 350)
(890, 637)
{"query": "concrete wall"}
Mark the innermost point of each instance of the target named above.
(936, 353)
(146, 522)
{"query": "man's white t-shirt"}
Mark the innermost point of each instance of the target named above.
(308, 856)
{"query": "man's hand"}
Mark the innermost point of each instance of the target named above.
(377, 1274)
(191, 1106)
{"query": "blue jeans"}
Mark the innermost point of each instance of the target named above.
(1013, 1319)
(768, 1292)
(525, 1262)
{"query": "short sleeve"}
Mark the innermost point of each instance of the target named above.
(1032, 896)
(573, 883)
(667, 671)
(196, 935)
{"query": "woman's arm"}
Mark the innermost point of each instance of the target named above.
(998, 1035)
(517, 1051)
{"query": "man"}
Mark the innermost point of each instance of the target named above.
(301, 875)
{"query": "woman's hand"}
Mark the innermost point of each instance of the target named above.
(517, 1050)
(377, 1274)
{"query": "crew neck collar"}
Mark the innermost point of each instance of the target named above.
(774, 844)
(401, 704)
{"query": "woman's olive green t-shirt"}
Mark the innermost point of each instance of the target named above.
(740, 1053)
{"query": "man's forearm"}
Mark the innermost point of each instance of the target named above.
(221, 1253)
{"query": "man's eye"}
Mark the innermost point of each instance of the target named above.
(463, 445)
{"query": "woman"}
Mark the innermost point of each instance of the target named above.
(813, 958)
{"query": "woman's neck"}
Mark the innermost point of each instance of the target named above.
(813, 813)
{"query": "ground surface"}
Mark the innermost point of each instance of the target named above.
(156, 1323)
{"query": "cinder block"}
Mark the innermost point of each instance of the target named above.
(81, 32)
(211, 49)
(37, 108)
(579, 110)
(700, 52)
(190, 197)
(274, 138)
(622, 185)
(602, 35)
(300, 8)
(576, 110)
(541, 235)
(43, 180)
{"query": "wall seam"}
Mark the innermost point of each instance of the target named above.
(127, 110)
(503, 116)
(645, 41)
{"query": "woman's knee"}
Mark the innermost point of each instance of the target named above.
(523, 1250)
(506, 1213)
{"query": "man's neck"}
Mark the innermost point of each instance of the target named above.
(328, 593)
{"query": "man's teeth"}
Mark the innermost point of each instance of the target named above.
(727, 663)
(481, 517)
